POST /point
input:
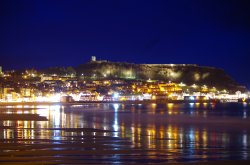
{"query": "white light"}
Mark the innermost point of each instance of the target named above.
(116, 95)
(191, 98)
(55, 98)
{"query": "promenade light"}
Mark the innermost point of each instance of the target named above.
(116, 95)
(194, 86)
(182, 84)
(191, 98)
(153, 97)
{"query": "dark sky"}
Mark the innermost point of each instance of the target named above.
(43, 33)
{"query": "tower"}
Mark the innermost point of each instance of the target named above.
(93, 58)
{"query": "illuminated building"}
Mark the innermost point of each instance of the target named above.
(93, 58)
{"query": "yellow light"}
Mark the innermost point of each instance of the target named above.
(123, 99)
(162, 89)
(205, 98)
(194, 86)
(153, 97)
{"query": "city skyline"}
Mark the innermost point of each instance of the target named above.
(40, 34)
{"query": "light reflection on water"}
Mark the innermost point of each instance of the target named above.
(115, 124)
(151, 127)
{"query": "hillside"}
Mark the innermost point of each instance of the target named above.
(186, 73)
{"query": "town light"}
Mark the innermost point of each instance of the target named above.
(191, 98)
(194, 86)
(153, 97)
(116, 95)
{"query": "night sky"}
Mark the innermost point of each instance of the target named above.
(47, 33)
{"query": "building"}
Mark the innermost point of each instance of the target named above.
(93, 58)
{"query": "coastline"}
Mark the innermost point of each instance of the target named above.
(112, 102)
(223, 162)
(91, 146)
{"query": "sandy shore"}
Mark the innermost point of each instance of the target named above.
(225, 162)
(233, 162)
(85, 148)
(52, 145)
(40, 154)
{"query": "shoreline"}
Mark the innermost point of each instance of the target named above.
(89, 145)
(113, 102)
(218, 162)
(34, 162)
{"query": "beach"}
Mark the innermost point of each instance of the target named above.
(123, 134)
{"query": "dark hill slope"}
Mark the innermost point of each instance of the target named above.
(189, 74)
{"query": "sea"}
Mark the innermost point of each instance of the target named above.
(124, 133)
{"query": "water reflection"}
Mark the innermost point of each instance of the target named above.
(115, 124)
(159, 130)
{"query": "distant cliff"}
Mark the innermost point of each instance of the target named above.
(186, 73)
